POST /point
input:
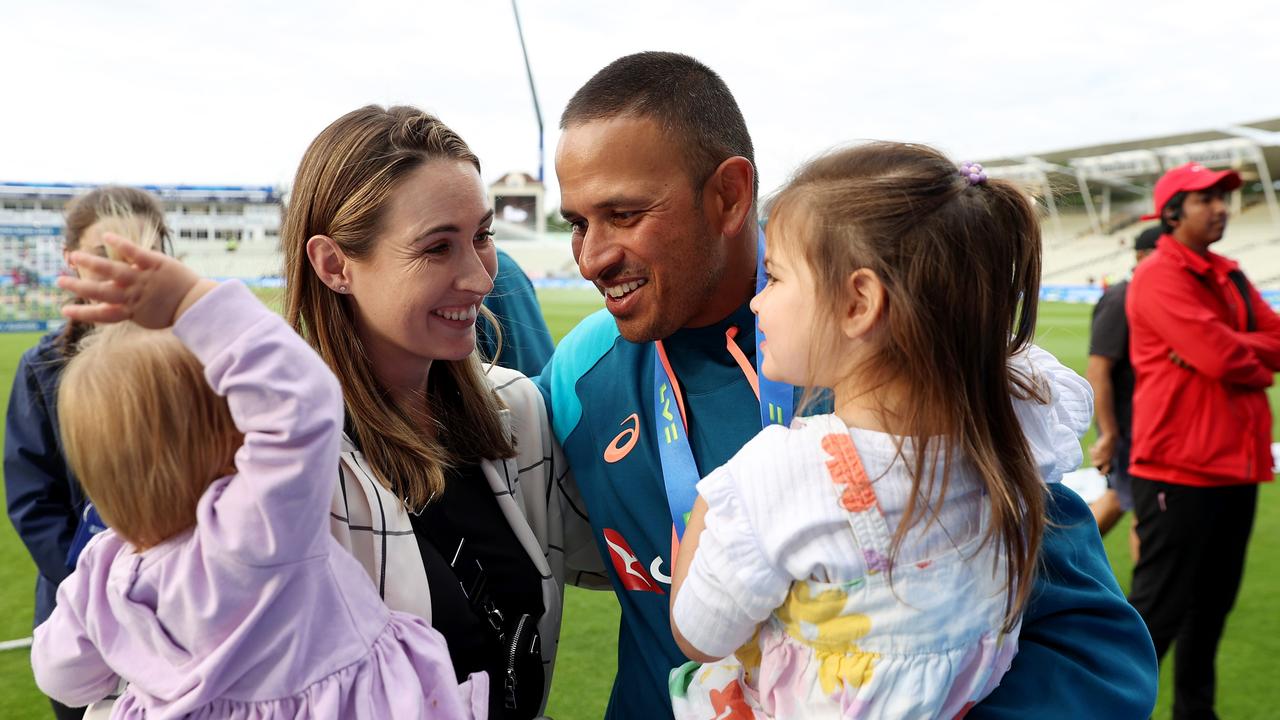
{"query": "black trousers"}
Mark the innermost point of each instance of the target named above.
(1193, 543)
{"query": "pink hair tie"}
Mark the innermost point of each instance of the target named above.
(973, 173)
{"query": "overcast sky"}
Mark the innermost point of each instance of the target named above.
(231, 92)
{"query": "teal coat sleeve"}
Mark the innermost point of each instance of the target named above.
(526, 341)
(1084, 652)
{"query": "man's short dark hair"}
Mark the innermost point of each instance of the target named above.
(687, 99)
(1172, 210)
(1148, 238)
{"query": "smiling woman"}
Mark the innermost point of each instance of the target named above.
(388, 256)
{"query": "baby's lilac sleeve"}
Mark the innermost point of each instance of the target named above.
(289, 406)
(64, 657)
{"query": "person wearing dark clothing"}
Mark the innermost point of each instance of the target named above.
(44, 500)
(1111, 376)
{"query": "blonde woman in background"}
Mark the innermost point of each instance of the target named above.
(46, 504)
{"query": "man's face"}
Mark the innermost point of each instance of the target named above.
(639, 231)
(1204, 218)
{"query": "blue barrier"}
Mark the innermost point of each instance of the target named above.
(1089, 294)
(17, 326)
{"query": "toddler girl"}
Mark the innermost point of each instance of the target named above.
(873, 562)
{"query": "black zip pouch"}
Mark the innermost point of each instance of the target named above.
(523, 682)
(520, 675)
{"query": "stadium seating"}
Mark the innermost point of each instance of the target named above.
(1253, 238)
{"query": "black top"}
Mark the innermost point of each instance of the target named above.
(469, 548)
(1109, 337)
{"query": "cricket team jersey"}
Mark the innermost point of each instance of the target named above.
(1084, 651)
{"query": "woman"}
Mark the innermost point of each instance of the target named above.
(46, 505)
(451, 488)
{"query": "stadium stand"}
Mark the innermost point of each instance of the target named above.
(1093, 199)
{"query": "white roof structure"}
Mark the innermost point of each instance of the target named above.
(1131, 168)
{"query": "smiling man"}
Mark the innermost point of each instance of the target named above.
(656, 175)
(1204, 347)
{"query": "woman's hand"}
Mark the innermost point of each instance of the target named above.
(149, 288)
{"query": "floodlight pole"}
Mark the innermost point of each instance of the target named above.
(537, 110)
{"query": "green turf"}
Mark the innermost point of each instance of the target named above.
(18, 695)
(587, 660)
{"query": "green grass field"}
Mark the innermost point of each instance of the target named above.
(587, 662)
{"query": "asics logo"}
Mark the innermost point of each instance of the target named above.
(624, 441)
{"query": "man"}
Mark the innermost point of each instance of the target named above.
(1111, 376)
(1204, 346)
(657, 179)
(526, 341)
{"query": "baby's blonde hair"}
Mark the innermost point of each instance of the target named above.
(143, 431)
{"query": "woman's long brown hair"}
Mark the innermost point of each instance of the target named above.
(960, 266)
(342, 189)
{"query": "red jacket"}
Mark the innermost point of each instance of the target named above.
(1210, 423)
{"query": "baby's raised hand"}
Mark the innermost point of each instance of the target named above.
(149, 288)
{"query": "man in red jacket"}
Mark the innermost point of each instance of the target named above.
(1204, 347)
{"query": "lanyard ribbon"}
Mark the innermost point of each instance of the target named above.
(679, 469)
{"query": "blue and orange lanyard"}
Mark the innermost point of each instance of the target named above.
(679, 469)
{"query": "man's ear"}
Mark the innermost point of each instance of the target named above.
(330, 263)
(864, 303)
(728, 196)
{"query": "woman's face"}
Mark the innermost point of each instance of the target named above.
(417, 294)
(90, 242)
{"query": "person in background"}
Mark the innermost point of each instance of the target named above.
(1111, 375)
(526, 343)
(1205, 347)
(45, 502)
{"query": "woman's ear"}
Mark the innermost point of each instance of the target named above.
(864, 303)
(330, 263)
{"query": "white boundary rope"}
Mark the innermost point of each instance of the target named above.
(15, 644)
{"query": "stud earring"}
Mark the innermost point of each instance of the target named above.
(342, 289)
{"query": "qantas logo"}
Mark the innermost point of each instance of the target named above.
(625, 441)
(627, 566)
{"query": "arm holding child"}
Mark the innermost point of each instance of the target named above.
(1083, 650)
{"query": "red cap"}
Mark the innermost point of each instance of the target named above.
(1189, 178)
